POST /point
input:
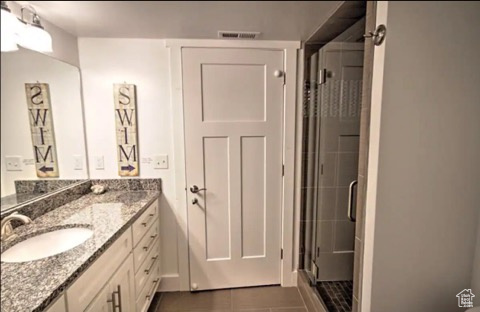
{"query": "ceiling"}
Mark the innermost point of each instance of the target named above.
(276, 20)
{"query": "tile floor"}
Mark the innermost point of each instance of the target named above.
(336, 295)
(253, 299)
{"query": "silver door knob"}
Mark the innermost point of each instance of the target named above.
(194, 189)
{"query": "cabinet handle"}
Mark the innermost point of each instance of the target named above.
(113, 301)
(149, 217)
(147, 271)
(148, 297)
(146, 248)
(119, 293)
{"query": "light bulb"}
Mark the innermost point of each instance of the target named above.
(10, 25)
(35, 38)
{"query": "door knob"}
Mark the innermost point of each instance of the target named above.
(194, 189)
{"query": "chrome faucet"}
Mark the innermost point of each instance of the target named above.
(6, 225)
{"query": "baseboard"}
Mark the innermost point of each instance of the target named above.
(311, 299)
(291, 280)
(170, 282)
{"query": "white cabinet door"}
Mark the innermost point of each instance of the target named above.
(103, 301)
(233, 130)
(122, 286)
(89, 284)
(118, 294)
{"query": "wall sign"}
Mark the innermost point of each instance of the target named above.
(41, 126)
(126, 129)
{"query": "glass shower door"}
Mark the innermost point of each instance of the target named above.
(332, 166)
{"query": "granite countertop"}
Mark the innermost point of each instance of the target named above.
(33, 285)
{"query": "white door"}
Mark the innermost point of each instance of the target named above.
(233, 128)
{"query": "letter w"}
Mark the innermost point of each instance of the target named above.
(125, 116)
(38, 116)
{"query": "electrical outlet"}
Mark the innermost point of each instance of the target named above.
(160, 162)
(78, 162)
(99, 165)
(13, 163)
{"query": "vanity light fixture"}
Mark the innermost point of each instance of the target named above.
(32, 35)
(29, 34)
(9, 26)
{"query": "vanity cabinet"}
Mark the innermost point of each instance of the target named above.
(118, 294)
(58, 306)
(146, 255)
(126, 276)
(101, 302)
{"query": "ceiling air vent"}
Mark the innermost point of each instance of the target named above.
(238, 35)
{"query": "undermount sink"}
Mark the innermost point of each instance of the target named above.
(46, 245)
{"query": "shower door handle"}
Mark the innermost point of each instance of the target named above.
(350, 201)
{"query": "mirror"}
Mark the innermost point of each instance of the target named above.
(42, 128)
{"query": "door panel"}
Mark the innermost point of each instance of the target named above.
(246, 100)
(102, 303)
(233, 130)
(217, 221)
(340, 99)
(122, 285)
(253, 196)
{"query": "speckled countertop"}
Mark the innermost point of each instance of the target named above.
(33, 285)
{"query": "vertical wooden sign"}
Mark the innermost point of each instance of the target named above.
(41, 126)
(126, 128)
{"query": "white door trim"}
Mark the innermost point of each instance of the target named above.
(290, 218)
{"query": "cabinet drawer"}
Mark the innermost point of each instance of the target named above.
(145, 297)
(147, 243)
(89, 284)
(148, 268)
(141, 226)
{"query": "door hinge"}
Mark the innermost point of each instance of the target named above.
(281, 254)
(322, 76)
(284, 78)
(283, 170)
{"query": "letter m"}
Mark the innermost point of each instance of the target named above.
(124, 153)
(39, 154)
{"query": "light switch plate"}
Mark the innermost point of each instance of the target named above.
(99, 165)
(78, 162)
(160, 162)
(13, 163)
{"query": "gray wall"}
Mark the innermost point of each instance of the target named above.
(428, 196)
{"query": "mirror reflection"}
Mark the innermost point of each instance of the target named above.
(42, 129)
